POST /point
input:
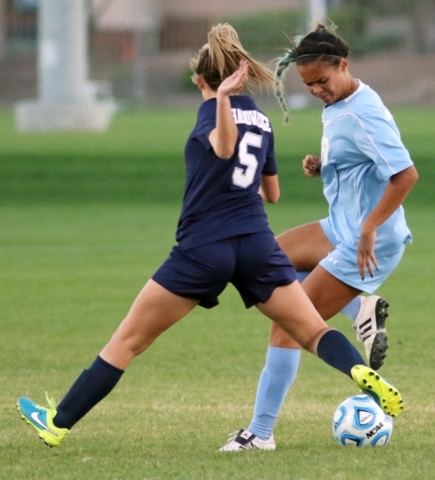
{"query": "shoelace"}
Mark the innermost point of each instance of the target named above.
(232, 436)
(363, 332)
(51, 402)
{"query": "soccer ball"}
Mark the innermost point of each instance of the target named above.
(359, 421)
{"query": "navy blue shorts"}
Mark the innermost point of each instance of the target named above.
(253, 263)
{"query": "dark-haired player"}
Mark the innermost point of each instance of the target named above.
(367, 173)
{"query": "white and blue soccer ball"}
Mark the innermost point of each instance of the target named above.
(360, 422)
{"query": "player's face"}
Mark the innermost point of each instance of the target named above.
(328, 82)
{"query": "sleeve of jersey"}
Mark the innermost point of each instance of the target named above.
(206, 123)
(377, 137)
(270, 167)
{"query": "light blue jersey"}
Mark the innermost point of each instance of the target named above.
(361, 150)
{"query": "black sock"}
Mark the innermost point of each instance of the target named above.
(336, 350)
(91, 387)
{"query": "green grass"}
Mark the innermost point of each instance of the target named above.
(86, 219)
(140, 158)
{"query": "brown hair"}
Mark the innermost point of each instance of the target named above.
(320, 44)
(323, 44)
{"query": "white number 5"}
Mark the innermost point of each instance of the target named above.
(244, 177)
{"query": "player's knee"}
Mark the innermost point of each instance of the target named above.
(311, 341)
(131, 343)
(281, 339)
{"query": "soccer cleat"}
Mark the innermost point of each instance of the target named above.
(245, 440)
(41, 420)
(383, 393)
(369, 326)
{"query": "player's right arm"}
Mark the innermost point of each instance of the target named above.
(311, 165)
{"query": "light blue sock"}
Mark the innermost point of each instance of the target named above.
(351, 309)
(275, 380)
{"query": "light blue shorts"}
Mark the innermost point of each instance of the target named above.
(341, 263)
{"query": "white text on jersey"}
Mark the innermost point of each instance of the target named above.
(251, 117)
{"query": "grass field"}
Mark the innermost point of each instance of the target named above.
(85, 220)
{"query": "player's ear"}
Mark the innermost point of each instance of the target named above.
(200, 82)
(343, 64)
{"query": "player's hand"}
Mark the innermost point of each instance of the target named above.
(366, 258)
(311, 165)
(235, 82)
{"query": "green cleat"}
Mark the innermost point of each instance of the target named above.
(383, 393)
(41, 420)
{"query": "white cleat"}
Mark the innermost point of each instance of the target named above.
(369, 326)
(245, 440)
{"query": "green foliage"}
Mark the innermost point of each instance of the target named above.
(388, 7)
(268, 32)
(375, 43)
(186, 81)
(351, 24)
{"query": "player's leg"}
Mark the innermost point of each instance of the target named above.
(283, 356)
(305, 245)
(329, 296)
(154, 311)
(368, 312)
(197, 276)
(291, 308)
(277, 376)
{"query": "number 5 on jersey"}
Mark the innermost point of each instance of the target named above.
(244, 177)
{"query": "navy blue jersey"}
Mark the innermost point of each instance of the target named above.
(221, 197)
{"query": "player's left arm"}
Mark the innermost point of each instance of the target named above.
(377, 136)
(397, 190)
(269, 188)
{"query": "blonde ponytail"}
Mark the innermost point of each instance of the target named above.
(221, 56)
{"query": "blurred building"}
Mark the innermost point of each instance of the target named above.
(139, 49)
